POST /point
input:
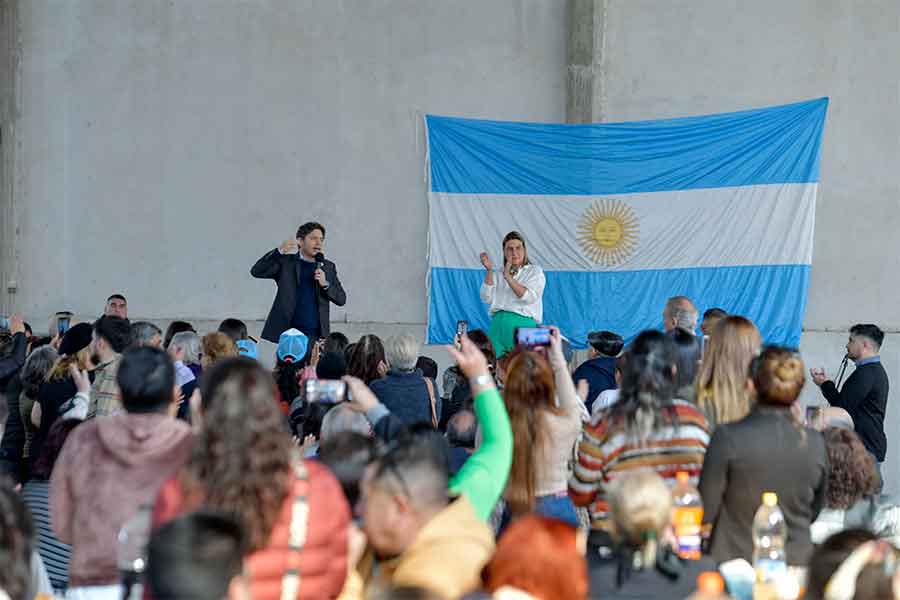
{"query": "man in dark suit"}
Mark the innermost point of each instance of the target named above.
(306, 286)
(864, 394)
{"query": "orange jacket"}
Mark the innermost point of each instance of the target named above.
(323, 560)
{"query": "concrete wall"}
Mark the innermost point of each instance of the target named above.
(166, 145)
(676, 58)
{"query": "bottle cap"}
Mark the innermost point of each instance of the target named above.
(710, 583)
(770, 498)
(682, 477)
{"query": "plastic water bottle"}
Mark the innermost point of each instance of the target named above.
(769, 536)
(687, 517)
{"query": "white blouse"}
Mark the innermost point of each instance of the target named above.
(502, 297)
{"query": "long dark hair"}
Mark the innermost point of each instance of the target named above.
(242, 457)
(364, 358)
(287, 379)
(648, 385)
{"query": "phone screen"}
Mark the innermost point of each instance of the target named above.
(62, 325)
(462, 327)
(533, 336)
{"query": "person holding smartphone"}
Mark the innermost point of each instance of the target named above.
(514, 295)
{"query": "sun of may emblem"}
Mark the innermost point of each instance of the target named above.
(608, 232)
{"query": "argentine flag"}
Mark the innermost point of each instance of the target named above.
(621, 216)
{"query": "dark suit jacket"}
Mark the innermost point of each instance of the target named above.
(763, 452)
(864, 395)
(285, 270)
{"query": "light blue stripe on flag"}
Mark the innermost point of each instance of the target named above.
(629, 302)
(768, 145)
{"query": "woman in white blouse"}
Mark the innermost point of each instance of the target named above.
(516, 300)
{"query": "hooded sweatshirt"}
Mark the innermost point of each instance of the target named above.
(108, 469)
(446, 556)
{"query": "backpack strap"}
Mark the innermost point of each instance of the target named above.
(290, 582)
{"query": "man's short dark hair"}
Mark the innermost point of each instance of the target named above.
(195, 557)
(117, 297)
(115, 330)
(336, 342)
(461, 429)
(146, 380)
(234, 328)
(307, 228)
(606, 343)
(416, 466)
(428, 366)
(143, 331)
(870, 332)
(347, 454)
(714, 313)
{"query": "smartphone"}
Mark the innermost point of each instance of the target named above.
(704, 340)
(462, 328)
(62, 325)
(532, 337)
(326, 391)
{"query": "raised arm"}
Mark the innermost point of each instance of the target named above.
(854, 391)
(483, 476)
(269, 266)
(565, 388)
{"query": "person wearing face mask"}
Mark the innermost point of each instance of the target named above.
(514, 295)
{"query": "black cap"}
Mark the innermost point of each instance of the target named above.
(76, 339)
(606, 343)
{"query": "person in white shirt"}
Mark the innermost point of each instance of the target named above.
(516, 300)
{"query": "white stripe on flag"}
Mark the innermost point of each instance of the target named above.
(749, 225)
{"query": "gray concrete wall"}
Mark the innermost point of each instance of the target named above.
(166, 145)
(685, 57)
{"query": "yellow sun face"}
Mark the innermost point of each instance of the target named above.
(608, 232)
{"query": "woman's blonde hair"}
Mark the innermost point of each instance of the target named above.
(60, 370)
(640, 506)
(722, 381)
(215, 347)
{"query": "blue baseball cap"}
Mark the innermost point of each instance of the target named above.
(292, 345)
(246, 348)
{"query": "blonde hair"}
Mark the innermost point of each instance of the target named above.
(216, 346)
(60, 370)
(722, 381)
(640, 506)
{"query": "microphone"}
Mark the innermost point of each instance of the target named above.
(841, 372)
(320, 260)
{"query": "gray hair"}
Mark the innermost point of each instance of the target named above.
(189, 342)
(143, 331)
(682, 309)
(343, 418)
(402, 352)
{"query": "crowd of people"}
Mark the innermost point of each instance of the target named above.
(178, 461)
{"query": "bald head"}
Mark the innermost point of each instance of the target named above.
(680, 313)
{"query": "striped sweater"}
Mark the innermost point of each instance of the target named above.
(605, 453)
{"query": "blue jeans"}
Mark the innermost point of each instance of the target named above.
(558, 507)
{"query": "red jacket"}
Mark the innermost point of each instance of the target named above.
(323, 561)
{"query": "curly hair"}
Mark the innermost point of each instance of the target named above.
(16, 540)
(852, 474)
(241, 460)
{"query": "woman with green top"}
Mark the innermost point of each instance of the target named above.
(515, 295)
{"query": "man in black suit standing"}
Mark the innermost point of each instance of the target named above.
(307, 285)
(864, 394)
